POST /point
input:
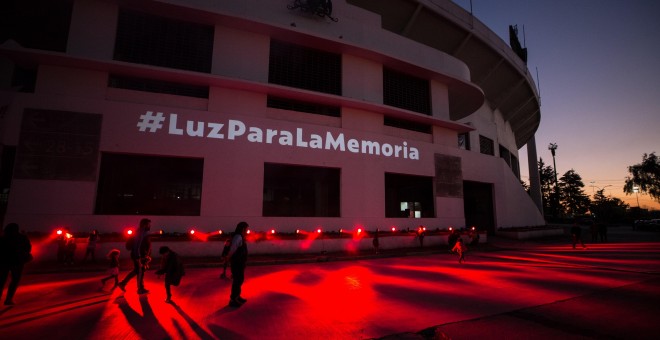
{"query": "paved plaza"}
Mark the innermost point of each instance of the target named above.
(507, 289)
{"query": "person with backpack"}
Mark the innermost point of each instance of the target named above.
(140, 247)
(172, 267)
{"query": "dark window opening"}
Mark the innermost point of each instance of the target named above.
(406, 92)
(409, 196)
(151, 40)
(505, 155)
(149, 185)
(6, 173)
(38, 24)
(158, 86)
(294, 105)
(24, 79)
(515, 166)
(464, 141)
(304, 68)
(486, 146)
(408, 125)
(300, 191)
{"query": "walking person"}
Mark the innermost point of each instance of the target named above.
(460, 248)
(140, 247)
(224, 259)
(15, 252)
(237, 256)
(91, 245)
(576, 235)
(113, 271)
(172, 267)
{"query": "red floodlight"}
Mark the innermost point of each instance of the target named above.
(272, 231)
(451, 228)
(297, 231)
(192, 231)
(59, 232)
(393, 229)
(318, 230)
(248, 231)
(129, 232)
(474, 228)
(359, 231)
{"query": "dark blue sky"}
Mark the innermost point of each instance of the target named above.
(598, 65)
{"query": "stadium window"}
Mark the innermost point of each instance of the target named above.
(304, 68)
(295, 105)
(505, 155)
(515, 166)
(486, 146)
(406, 92)
(408, 125)
(408, 196)
(300, 191)
(149, 185)
(37, 24)
(147, 39)
(464, 141)
(158, 86)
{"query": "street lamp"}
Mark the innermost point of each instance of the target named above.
(636, 190)
(553, 147)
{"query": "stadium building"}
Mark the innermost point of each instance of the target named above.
(288, 114)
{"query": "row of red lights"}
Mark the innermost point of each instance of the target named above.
(271, 231)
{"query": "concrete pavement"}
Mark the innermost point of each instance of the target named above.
(508, 289)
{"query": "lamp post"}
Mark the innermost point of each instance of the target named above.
(553, 147)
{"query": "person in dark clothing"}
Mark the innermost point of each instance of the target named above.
(113, 271)
(238, 254)
(91, 245)
(576, 234)
(224, 259)
(15, 252)
(140, 247)
(172, 267)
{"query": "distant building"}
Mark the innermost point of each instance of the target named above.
(204, 113)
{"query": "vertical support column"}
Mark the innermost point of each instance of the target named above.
(534, 177)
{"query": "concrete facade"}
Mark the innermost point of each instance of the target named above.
(76, 80)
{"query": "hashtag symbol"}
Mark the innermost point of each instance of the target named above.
(151, 121)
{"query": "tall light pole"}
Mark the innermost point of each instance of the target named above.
(553, 147)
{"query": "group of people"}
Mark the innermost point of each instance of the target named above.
(15, 251)
(172, 266)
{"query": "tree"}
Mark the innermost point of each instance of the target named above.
(547, 182)
(645, 176)
(608, 209)
(573, 199)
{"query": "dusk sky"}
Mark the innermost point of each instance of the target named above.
(598, 65)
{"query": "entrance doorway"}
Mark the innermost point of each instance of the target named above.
(478, 205)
